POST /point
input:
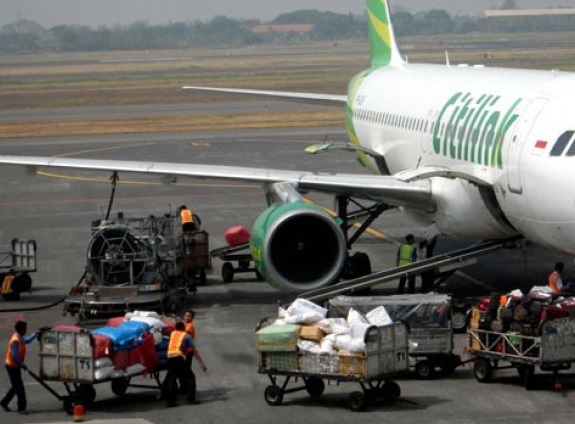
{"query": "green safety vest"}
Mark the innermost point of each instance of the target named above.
(406, 254)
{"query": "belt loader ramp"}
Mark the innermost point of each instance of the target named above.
(446, 264)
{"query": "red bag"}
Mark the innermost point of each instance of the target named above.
(483, 304)
(148, 353)
(237, 235)
(115, 321)
(102, 346)
(121, 359)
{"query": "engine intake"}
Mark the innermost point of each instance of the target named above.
(298, 247)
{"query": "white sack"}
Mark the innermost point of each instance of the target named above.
(379, 316)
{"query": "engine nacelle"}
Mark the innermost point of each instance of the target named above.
(298, 247)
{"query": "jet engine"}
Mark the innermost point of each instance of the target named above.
(298, 247)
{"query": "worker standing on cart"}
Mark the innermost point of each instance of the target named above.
(180, 343)
(190, 221)
(406, 254)
(14, 364)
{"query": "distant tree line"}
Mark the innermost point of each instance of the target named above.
(26, 36)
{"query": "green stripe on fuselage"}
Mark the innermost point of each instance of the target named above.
(472, 127)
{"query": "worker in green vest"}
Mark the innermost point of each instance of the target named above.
(406, 254)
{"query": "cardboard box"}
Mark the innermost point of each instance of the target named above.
(352, 363)
(311, 332)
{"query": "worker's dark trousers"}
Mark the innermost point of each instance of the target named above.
(410, 285)
(190, 380)
(17, 389)
(176, 369)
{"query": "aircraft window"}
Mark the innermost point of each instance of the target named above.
(561, 143)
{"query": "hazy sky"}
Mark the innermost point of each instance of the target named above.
(108, 12)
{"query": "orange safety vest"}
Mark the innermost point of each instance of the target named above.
(21, 351)
(186, 216)
(552, 281)
(191, 330)
(7, 284)
(175, 346)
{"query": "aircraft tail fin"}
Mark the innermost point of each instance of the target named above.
(384, 51)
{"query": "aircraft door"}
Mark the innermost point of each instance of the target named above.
(515, 146)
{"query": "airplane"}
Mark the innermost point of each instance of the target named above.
(475, 152)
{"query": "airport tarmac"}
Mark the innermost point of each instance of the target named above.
(57, 211)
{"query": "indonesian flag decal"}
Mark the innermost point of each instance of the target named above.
(539, 147)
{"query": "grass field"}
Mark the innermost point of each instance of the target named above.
(44, 81)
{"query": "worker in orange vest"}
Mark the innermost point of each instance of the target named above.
(555, 281)
(15, 356)
(190, 221)
(181, 344)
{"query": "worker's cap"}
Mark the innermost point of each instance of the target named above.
(409, 237)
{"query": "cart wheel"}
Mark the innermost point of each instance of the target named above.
(86, 394)
(424, 369)
(458, 321)
(119, 386)
(274, 395)
(391, 390)
(227, 272)
(68, 405)
(356, 401)
(483, 370)
(314, 386)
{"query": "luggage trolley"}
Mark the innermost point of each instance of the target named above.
(239, 254)
(428, 319)
(68, 357)
(385, 358)
(552, 351)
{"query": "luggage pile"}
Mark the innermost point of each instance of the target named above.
(303, 339)
(134, 344)
(524, 314)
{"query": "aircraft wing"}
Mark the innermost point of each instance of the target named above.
(387, 189)
(322, 99)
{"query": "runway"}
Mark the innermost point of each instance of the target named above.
(57, 211)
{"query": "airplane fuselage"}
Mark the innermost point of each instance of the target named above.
(503, 128)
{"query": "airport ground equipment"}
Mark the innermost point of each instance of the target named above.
(552, 351)
(21, 259)
(385, 358)
(139, 263)
(428, 320)
(241, 256)
(67, 356)
(445, 265)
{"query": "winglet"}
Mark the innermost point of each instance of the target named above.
(384, 51)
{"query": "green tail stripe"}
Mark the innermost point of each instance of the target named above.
(379, 32)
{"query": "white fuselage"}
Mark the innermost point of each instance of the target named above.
(497, 127)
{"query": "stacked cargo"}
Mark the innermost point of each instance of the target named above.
(127, 346)
(520, 313)
(303, 339)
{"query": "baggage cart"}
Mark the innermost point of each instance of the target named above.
(239, 254)
(552, 351)
(68, 357)
(384, 359)
(428, 320)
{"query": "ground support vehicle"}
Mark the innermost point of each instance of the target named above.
(386, 358)
(552, 351)
(139, 263)
(68, 357)
(428, 320)
(239, 254)
(21, 259)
